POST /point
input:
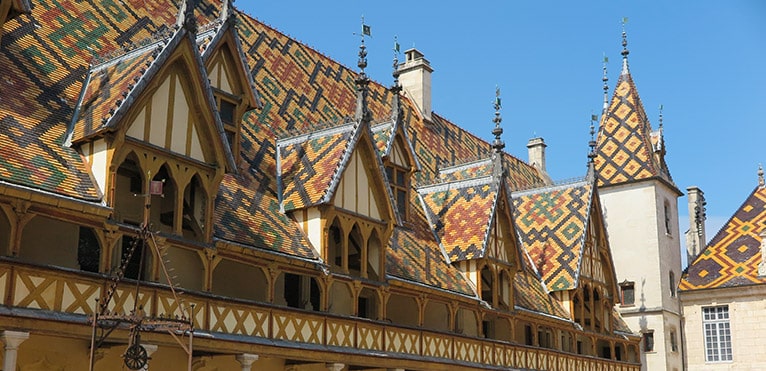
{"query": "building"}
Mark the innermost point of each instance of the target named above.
(184, 187)
(724, 287)
(640, 204)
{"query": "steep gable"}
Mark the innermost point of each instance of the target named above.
(733, 256)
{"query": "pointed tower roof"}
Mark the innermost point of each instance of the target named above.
(625, 150)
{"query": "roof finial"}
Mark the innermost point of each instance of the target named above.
(625, 50)
(497, 144)
(186, 17)
(661, 106)
(592, 142)
(605, 79)
(761, 182)
(362, 112)
(396, 61)
(396, 107)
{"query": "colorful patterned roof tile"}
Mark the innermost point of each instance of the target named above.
(383, 135)
(461, 214)
(309, 164)
(625, 148)
(530, 294)
(414, 255)
(732, 257)
(470, 170)
(552, 224)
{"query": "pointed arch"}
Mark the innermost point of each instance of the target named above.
(5, 233)
(129, 181)
(354, 250)
(163, 210)
(374, 254)
(335, 242)
(341, 299)
(194, 209)
(487, 284)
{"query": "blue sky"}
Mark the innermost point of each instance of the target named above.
(704, 61)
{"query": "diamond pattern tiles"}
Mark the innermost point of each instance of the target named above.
(551, 223)
(107, 87)
(529, 293)
(414, 255)
(624, 150)
(733, 255)
(309, 163)
(461, 214)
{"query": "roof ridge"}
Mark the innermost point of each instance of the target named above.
(100, 61)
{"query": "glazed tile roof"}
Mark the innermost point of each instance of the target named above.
(627, 149)
(552, 224)
(530, 293)
(732, 257)
(461, 214)
(309, 164)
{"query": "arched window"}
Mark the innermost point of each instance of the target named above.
(373, 256)
(355, 246)
(128, 185)
(194, 209)
(367, 304)
(163, 200)
(335, 245)
(487, 283)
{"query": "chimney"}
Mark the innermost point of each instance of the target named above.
(536, 147)
(695, 237)
(415, 77)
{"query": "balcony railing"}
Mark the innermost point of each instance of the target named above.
(71, 292)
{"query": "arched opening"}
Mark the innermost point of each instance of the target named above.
(50, 242)
(188, 268)
(632, 353)
(566, 341)
(505, 292)
(163, 212)
(128, 186)
(437, 316)
(577, 309)
(5, 234)
(597, 310)
(465, 322)
(229, 272)
(335, 245)
(487, 283)
(374, 248)
(402, 310)
(136, 257)
(194, 210)
(494, 327)
(584, 345)
(524, 333)
(88, 251)
(341, 299)
(355, 246)
(544, 337)
(297, 291)
(367, 304)
(604, 349)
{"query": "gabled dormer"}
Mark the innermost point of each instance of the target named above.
(399, 160)
(562, 230)
(331, 181)
(146, 122)
(230, 79)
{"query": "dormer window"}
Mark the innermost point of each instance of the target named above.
(227, 110)
(398, 176)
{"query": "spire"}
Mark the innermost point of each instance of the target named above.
(605, 79)
(362, 81)
(625, 50)
(396, 88)
(761, 182)
(592, 142)
(498, 144)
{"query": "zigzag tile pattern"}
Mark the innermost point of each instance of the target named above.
(381, 135)
(107, 88)
(414, 255)
(308, 167)
(733, 255)
(462, 216)
(478, 169)
(530, 293)
(624, 148)
(551, 224)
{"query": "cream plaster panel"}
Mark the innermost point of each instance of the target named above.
(180, 120)
(195, 151)
(225, 81)
(159, 117)
(355, 192)
(314, 228)
(137, 127)
(213, 75)
(100, 164)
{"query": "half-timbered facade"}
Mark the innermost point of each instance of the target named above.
(184, 187)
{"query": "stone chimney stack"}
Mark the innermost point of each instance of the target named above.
(695, 236)
(415, 77)
(536, 148)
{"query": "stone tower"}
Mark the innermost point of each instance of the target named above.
(640, 204)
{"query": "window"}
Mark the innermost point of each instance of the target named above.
(398, 178)
(648, 341)
(667, 217)
(88, 250)
(486, 285)
(715, 321)
(672, 279)
(627, 293)
(673, 341)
